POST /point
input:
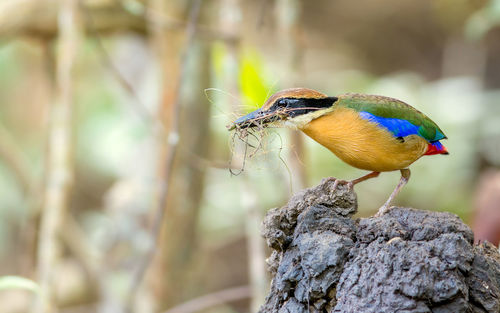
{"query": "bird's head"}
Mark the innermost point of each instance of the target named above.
(293, 107)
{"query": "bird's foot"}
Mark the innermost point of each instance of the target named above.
(383, 209)
(405, 175)
(337, 181)
(349, 183)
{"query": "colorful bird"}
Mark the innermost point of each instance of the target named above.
(374, 133)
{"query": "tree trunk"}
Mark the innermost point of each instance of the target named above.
(168, 274)
(186, 186)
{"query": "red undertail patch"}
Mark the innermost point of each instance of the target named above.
(436, 148)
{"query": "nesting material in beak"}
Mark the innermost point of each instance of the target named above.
(284, 105)
(257, 118)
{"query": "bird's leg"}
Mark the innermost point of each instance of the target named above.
(350, 184)
(405, 176)
(363, 178)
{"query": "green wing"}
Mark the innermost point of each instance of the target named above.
(391, 108)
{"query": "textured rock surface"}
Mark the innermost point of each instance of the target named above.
(406, 261)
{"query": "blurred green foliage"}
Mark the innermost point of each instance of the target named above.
(483, 20)
(254, 88)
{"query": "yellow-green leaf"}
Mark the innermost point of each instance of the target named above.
(254, 88)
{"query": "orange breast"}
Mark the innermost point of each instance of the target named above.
(363, 144)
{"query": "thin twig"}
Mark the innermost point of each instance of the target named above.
(37, 19)
(201, 163)
(170, 23)
(77, 242)
(60, 173)
(264, 6)
(249, 198)
(139, 108)
(255, 246)
(236, 173)
(213, 299)
(16, 161)
(171, 153)
(288, 18)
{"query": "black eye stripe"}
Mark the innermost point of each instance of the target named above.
(299, 106)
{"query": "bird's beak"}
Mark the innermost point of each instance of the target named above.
(249, 118)
(254, 119)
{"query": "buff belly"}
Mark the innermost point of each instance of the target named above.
(362, 143)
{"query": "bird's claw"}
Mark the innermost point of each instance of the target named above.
(350, 185)
(383, 209)
(336, 182)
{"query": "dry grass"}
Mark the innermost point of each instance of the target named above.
(253, 134)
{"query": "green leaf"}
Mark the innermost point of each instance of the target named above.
(254, 88)
(17, 282)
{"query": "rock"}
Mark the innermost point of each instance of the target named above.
(406, 261)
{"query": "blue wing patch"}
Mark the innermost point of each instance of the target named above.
(439, 146)
(398, 127)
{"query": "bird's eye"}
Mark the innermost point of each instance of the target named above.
(281, 103)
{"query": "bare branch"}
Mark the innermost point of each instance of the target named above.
(16, 161)
(213, 299)
(60, 173)
(38, 18)
(139, 106)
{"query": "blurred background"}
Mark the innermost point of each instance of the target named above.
(115, 185)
